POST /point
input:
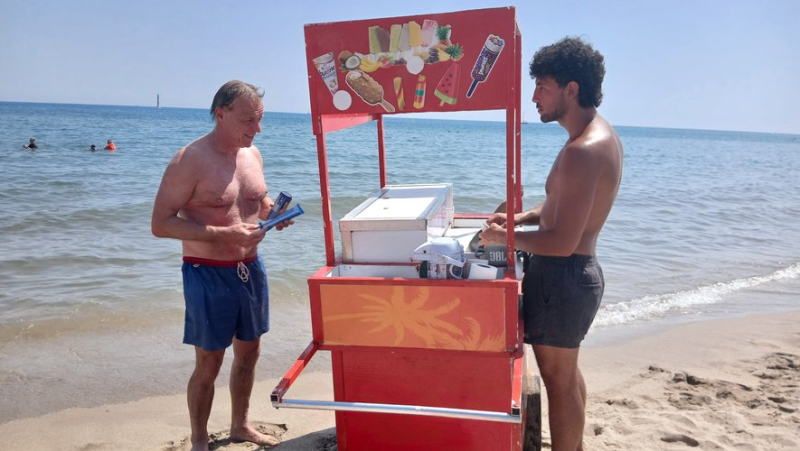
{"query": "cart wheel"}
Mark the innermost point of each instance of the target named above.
(532, 403)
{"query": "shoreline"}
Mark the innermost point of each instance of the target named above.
(717, 384)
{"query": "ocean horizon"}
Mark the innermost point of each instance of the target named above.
(458, 116)
(705, 226)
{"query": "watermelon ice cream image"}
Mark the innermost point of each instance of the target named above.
(447, 90)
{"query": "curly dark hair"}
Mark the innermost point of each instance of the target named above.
(572, 59)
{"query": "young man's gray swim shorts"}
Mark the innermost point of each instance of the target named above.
(223, 300)
(561, 296)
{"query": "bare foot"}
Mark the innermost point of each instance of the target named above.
(249, 434)
(200, 445)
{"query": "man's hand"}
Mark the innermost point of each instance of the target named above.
(284, 224)
(495, 234)
(243, 234)
(498, 218)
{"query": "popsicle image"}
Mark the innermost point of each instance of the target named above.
(398, 91)
(404, 38)
(394, 37)
(414, 34)
(485, 62)
(419, 92)
(368, 89)
(429, 32)
(447, 90)
(378, 40)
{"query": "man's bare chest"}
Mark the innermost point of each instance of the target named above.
(227, 186)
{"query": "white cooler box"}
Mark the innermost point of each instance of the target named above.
(387, 227)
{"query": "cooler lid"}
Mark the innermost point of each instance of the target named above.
(401, 202)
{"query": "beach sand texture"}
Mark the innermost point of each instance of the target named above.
(727, 384)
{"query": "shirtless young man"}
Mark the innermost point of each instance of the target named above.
(563, 283)
(211, 196)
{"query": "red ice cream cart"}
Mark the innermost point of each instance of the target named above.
(418, 363)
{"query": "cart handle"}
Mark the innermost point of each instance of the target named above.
(291, 376)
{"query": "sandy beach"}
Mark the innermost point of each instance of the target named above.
(717, 385)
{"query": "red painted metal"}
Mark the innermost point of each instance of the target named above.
(334, 122)
(469, 30)
(518, 121)
(433, 378)
(325, 191)
(294, 372)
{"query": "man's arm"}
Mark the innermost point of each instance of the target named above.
(576, 181)
(175, 191)
(530, 217)
(267, 203)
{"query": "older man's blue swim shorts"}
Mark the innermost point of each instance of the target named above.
(561, 296)
(224, 299)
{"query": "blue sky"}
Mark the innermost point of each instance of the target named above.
(719, 65)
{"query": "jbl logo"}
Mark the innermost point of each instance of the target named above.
(496, 255)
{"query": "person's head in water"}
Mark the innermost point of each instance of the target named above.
(92, 147)
(32, 141)
(570, 60)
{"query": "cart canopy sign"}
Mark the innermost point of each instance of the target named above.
(434, 62)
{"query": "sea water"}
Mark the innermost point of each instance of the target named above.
(91, 308)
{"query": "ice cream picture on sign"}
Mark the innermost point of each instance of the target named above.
(398, 92)
(447, 90)
(327, 70)
(406, 44)
(485, 62)
(368, 89)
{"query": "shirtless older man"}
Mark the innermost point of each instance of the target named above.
(211, 196)
(563, 283)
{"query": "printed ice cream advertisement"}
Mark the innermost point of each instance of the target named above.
(436, 62)
(327, 70)
(485, 62)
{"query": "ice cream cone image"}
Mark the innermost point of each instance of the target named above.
(368, 89)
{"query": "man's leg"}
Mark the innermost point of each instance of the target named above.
(200, 393)
(243, 370)
(565, 395)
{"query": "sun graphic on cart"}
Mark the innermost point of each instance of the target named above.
(416, 318)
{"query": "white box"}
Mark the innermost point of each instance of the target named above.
(387, 227)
